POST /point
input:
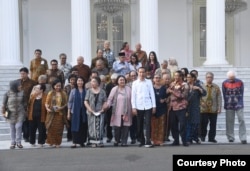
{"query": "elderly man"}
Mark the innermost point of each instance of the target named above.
(64, 66)
(108, 54)
(233, 94)
(142, 55)
(99, 55)
(163, 69)
(83, 70)
(210, 107)
(100, 68)
(121, 67)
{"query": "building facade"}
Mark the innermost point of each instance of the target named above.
(195, 32)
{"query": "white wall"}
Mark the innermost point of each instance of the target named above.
(242, 38)
(47, 26)
(174, 31)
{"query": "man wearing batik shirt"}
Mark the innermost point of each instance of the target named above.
(178, 106)
(27, 86)
(64, 66)
(38, 66)
(142, 55)
(233, 93)
(210, 107)
(55, 73)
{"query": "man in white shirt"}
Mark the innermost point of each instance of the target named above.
(143, 105)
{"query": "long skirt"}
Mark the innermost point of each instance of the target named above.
(158, 129)
(80, 136)
(96, 128)
(55, 131)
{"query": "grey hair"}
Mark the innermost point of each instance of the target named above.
(42, 77)
(210, 73)
(231, 73)
(165, 61)
(102, 77)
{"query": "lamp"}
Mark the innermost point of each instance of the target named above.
(233, 6)
(111, 7)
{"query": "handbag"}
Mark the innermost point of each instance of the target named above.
(7, 114)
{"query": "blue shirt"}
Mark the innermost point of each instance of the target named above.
(121, 68)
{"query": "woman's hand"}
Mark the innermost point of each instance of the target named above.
(68, 116)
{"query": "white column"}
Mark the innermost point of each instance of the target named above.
(81, 30)
(215, 33)
(9, 33)
(149, 25)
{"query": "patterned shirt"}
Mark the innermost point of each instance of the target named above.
(211, 103)
(178, 99)
(233, 93)
(55, 74)
(109, 55)
(66, 69)
(38, 66)
(27, 86)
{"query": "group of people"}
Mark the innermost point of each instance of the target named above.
(120, 98)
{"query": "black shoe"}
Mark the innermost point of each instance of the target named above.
(168, 140)
(124, 145)
(89, 143)
(133, 142)
(198, 141)
(203, 139)
(175, 144)
(148, 145)
(231, 140)
(186, 144)
(244, 142)
(213, 141)
(141, 144)
(108, 140)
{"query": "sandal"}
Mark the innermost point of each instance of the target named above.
(19, 145)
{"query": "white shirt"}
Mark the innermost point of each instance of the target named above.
(143, 96)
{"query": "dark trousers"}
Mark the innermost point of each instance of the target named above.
(121, 133)
(212, 120)
(192, 131)
(168, 126)
(144, 115)
(35, 125)
(69, 133)
(107, 123)
(178, 125)
(80, 136)
(133, 128)
(25, 130)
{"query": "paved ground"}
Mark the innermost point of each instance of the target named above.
(109, 158)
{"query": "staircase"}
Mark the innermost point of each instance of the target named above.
(10, 73)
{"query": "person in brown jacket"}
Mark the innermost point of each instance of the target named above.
(37, 114)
